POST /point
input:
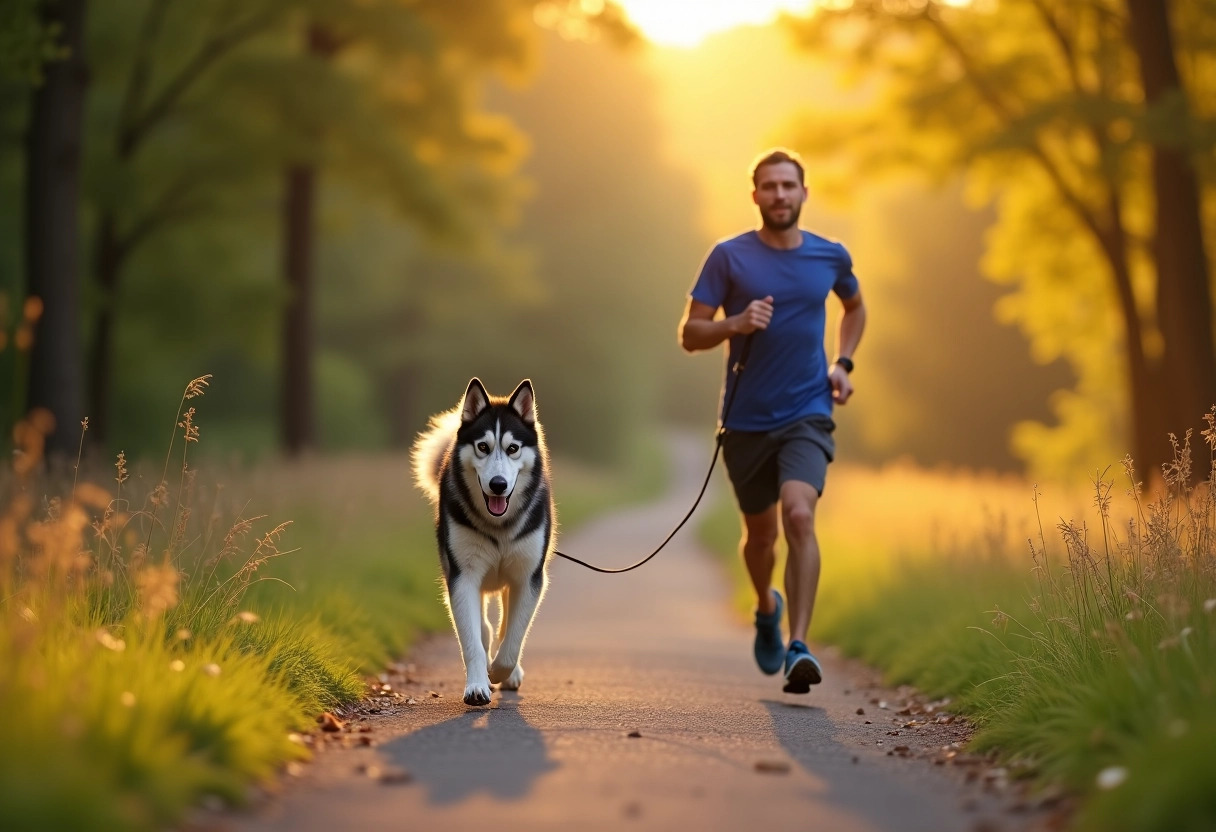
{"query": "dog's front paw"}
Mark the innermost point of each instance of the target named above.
(477, 693)
(516, 679)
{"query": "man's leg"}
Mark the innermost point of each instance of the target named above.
(759, 555)
(798, 501)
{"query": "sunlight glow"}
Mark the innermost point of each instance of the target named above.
(688, 22)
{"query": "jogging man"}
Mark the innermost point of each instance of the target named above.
(772, 285)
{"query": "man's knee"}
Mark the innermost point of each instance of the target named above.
(760, 541)
(800, 521)
(798, 513)
(760, 532)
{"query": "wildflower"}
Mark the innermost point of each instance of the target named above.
(1111, 777)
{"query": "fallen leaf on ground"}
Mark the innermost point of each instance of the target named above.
(329, 722)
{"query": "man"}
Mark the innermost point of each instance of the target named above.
(772, 285)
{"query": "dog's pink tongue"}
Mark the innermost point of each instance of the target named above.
(497, 505)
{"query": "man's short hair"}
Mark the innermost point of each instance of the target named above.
(775, 157)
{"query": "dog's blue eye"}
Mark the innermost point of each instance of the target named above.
(512, 449)
(483, 447)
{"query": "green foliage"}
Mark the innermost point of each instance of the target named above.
(195, 110)
(27, 43)
(1038, 104)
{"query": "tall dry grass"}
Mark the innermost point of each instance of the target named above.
(136, 680)
(1076, 630)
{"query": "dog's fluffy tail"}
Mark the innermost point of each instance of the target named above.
(430, 450)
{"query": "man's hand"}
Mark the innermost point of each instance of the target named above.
(757, 315)
(842, 388)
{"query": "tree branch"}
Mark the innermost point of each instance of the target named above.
(993, 98)
(1061, 38)
(211, 51)
(141, 68)
(1111, 239)
(171, 205)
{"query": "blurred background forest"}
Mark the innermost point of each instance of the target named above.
(343, 209)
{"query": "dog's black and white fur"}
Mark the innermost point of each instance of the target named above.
(483, 465)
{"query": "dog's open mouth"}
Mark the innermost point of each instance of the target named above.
(496, 504)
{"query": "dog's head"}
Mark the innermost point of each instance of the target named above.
(498, 442)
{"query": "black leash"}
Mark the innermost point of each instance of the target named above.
(738, 371)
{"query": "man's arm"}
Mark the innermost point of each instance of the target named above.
(851, 326)
(699, 330)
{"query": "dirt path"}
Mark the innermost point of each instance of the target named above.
(657, 653)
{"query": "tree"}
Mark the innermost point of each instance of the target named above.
(52, 206)
(1044, 106)
(1183, 290)
(437, 50)
(381, 95)
(171, 57)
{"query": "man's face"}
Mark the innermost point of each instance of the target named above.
(779, 195)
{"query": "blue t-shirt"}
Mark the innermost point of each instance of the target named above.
(786, 378)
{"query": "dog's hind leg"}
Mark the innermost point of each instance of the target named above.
(525, 597)
(464, 598)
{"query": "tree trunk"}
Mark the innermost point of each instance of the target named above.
(401, 400)
(297, 418)
(1184, 301)
(107, 267)
(1145, 382)
(297, 410)
(53, 228)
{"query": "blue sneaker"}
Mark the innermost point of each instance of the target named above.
(801, 669)
(770, 646)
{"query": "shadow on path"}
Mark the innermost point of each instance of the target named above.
(494, 750)
(804, 731)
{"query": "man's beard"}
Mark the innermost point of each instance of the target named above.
(772, 224)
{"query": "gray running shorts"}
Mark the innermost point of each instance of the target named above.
(760, 461)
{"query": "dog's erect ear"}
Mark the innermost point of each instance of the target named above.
(524, 402)
(475, 400)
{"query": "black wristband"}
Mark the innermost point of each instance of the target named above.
(847, 363)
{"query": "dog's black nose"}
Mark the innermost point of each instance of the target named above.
(498, 485)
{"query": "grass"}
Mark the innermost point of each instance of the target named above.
(166, 636)
(1084, 651)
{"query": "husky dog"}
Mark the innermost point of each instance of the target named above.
(483, 466)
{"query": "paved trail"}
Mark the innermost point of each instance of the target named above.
(655, 651)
